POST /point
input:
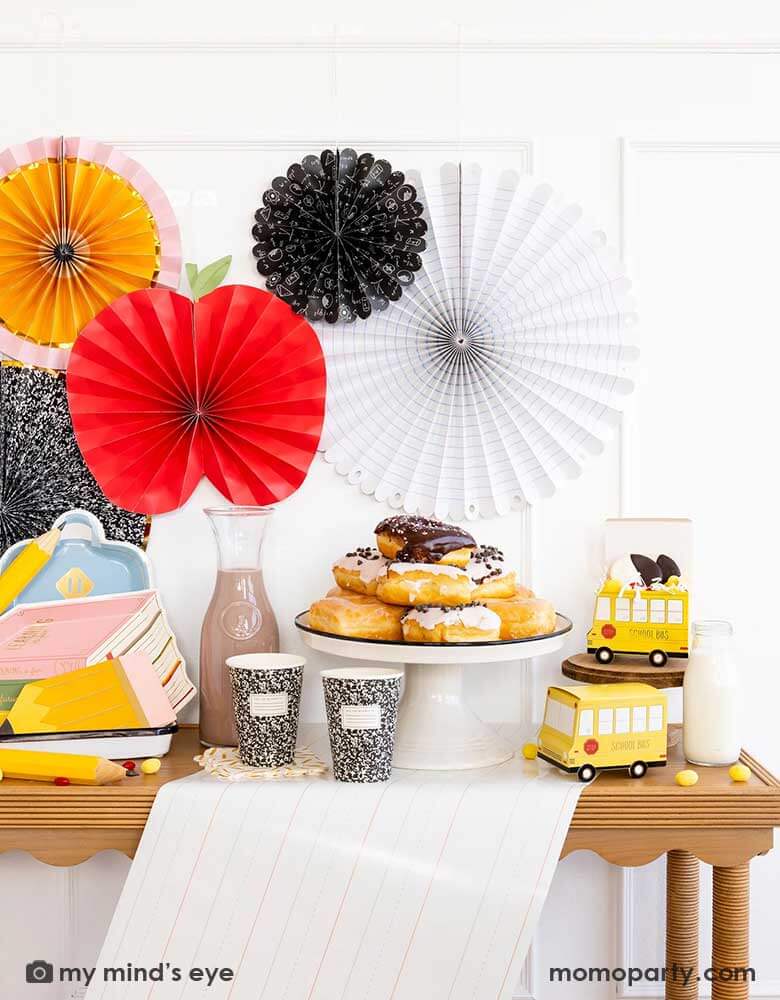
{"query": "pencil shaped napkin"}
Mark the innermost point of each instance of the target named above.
(40, 765)
(26, 566)
(124, 693)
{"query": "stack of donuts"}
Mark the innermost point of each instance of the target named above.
(426, 581)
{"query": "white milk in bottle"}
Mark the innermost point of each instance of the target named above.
(711, 697)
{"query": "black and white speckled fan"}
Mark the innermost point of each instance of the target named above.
(339, 236)
(42, 473)
(500, 371)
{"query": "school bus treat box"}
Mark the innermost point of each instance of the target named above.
(599, 727)
(641, 608)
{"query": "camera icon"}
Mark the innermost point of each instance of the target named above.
(39, 972)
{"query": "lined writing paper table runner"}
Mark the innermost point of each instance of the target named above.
(428, 886)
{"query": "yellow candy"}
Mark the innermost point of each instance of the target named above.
(739, 772)
(530, 751)
(151, 766)
(1, 774)
(686, 778)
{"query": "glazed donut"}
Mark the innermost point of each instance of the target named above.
(424, 583)
(462, 623)
(410, 538)
(358, 570)
(489, 575)
(349, 595)
(357, 616)
(522, 617)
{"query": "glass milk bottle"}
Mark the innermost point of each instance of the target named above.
(239, 618)
(711, 697)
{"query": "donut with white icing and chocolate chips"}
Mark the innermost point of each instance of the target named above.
(358, 570)
(489, 575)
(462, 623)
(424, 583)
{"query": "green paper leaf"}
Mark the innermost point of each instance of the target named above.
(192, 274)
(210, 277)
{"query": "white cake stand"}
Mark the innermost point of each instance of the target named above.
(437, 731)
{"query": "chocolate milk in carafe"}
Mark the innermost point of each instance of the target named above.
(239, 618)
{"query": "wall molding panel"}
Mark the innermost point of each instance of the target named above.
(347, 44)
(629, 152)
(523, 148)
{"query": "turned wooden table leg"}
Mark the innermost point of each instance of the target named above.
(682, 926)
(730, 932)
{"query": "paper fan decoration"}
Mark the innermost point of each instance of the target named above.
(42, 473)
(164, 391)
(340, 236)
(500, 371)
(80, 225)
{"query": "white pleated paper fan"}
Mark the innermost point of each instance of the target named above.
(500, 371)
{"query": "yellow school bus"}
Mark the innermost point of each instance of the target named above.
(654, 622)
(596, 727)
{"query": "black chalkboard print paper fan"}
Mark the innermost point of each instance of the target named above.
(500, 371)
(340, 236)
(42, 473)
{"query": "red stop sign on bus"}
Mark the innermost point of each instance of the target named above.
(591, 746)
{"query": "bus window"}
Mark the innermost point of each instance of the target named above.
(658, 611)
(675, 612)
(622, 610)
(603, 611)
(640, 719)
(559, 716)
(605, 721)
(656, 718)
(622, 718)
(586, 722)
(640, 609)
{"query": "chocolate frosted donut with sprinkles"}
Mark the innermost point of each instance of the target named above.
(410, 538)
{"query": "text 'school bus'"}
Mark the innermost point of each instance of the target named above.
(651, 622)
(599, 727)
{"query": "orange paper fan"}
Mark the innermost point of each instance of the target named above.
(80, 225)
(164, 391)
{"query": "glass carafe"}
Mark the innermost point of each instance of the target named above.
(239, 618)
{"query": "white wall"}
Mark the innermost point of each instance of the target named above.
(661, 119)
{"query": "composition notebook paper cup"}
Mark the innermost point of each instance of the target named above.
(266, 702)
(362, 708)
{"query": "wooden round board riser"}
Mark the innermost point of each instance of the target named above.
(585, 668)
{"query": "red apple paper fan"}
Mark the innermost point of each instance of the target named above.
(164, 391)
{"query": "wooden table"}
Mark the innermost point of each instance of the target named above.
(626, 822)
